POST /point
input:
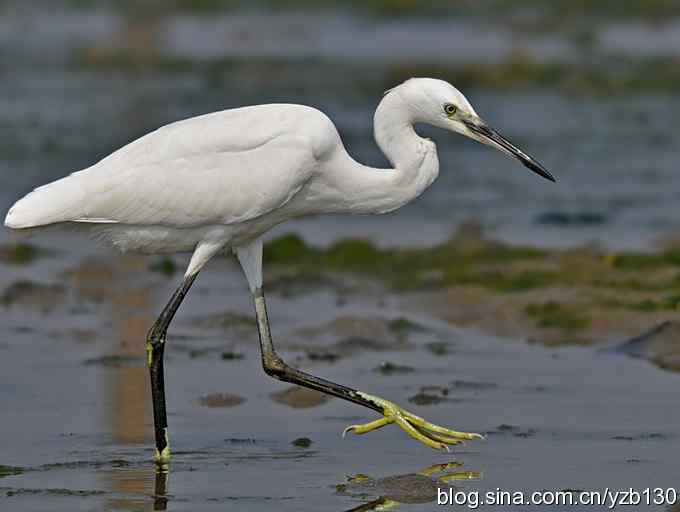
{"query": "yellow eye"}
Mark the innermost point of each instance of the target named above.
(450, 109)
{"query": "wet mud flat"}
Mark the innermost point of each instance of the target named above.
(76, 424)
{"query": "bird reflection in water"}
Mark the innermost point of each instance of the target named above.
(128, 298)
(160, 495)
(412, 488)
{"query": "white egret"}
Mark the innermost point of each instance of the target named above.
(219, 181)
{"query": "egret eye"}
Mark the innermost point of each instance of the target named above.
(450, 109)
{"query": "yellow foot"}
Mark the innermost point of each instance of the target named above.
(162, 458)
(427, 433)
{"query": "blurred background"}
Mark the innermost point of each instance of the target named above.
(419, 306)
(586, 87)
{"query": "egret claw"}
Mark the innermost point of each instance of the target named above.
(434, 436)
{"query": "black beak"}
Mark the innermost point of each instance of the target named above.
(496, 139)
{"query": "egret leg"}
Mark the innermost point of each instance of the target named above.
(155, 348)
(427, 433)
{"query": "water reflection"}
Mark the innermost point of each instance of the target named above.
(130, 417)
(160, 495)
(130, 311)
(412, 488)
(133, 486)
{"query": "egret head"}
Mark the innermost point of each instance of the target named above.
(440, 104)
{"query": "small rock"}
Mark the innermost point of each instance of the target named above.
(439, 348)
(423, 398)
(238, 440)
(388, 368)
(300, 398)
(231, 356)
(329, 357)
(526, 433)
(358, 343)
(302, 442)
(220, 400)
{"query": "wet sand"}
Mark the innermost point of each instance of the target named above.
(76, 424)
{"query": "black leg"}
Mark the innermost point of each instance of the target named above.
(155, 347)
(276, 367)
(419, 429)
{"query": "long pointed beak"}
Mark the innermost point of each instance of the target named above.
(483, 133)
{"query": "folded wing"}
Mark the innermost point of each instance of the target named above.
(218, 185)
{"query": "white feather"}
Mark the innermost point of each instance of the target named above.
(223, 179)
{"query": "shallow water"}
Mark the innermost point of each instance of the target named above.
(78, 423)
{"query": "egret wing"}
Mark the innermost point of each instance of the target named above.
(192, 189)
(217, 188)
(223, 167)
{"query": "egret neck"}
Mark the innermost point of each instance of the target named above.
(414, 160)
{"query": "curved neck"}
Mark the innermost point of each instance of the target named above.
(395, 135)
(369, 190)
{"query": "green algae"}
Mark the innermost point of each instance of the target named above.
(475, 262)
(635, 261)
(165, 266)
(10, 471)
(21, 253)
(502, 281)
(670, 302)
(18, 254)
(286, 248)
(554, 314)
(403, 326)
(559, 296)
(446, 264)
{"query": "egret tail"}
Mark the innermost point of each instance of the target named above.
(60, 201)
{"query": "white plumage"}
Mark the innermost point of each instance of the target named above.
(221, 180)
(226, 177)
(220, 168)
